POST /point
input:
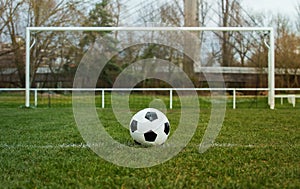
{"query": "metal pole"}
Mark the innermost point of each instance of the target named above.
(27, 69)
(171, 99)
(35, 98)
(102, 103)
(150, 28)
(234, 99)
(272, 70)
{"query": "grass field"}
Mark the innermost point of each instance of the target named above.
(256, 148)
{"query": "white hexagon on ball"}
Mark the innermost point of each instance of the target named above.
(149, 127)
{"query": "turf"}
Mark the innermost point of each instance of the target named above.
(256, 148)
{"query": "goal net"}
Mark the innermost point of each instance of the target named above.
(151, 60)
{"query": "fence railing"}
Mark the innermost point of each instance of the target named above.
(234, 92)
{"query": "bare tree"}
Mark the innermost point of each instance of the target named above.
(175, 14)
(227, 55)
(298, 16)
(287, 52)
(21, 13)
(3, 6)
(236, 47)
(10, 17)
(170, 15)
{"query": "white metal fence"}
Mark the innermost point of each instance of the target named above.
(280, 92)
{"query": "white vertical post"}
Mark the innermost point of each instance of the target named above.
(102, 97)
(171, 98)
(27, 69)
(234, 99)
(35, 98)
(271, 65)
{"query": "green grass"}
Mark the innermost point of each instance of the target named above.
(256, 148)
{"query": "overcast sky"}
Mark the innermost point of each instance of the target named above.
(286, 7)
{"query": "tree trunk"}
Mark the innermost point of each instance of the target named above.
(191, 19)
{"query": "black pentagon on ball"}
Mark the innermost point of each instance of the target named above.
(150, 136)
(167, 128)
(151, 116)
(133, 126)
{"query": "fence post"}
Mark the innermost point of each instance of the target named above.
(234, 98)
(102, 97)
(171, 99)
(35, 98)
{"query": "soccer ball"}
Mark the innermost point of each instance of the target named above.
(149, 127)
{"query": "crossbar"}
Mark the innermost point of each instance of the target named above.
(149, 28)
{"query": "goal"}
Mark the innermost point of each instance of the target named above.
(267, 38)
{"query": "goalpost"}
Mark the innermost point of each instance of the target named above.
(268, 30)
